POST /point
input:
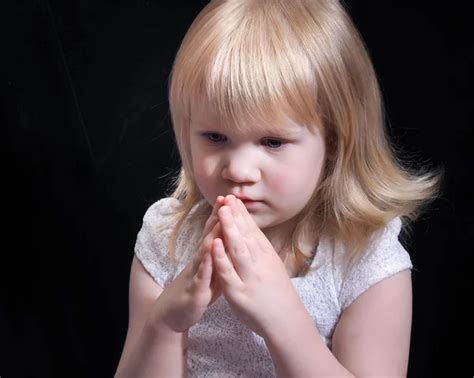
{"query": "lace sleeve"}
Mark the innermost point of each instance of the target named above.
(151, 246)
(386, 257)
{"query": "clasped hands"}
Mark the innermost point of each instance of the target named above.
(234, 259)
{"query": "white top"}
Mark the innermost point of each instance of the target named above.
(219, 345)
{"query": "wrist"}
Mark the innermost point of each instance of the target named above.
(160, 331)
(293, 327)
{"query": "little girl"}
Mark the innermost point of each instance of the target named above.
(278, 251)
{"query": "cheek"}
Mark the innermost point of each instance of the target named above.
(285, 182)
(294, 182)
(204, 169)
(201, 164)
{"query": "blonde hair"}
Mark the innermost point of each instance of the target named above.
(302, 59)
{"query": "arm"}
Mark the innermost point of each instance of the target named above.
(373, 334)
(160, 318)
(257, 287)
(371, 338)
(149, 350)
(297, 350)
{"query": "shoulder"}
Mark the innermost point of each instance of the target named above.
(153, 243)
(161, 209)
(158, 221)
(384, 257)
(372, 334)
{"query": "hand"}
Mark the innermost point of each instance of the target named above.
(183, 302)
(254, 280)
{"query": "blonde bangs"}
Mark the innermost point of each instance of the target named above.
(261, 62)
(248, 67)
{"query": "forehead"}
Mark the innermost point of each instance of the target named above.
(207, 117)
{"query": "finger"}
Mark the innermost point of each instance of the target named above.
(205, 246)
(224, 267)
(211, 221)
(204, 271)
(232, 236)
(245, 224)
(216, 232)
(235, 243)
(243, 219)
(251, 233)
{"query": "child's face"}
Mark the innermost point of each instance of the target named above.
(275, 170)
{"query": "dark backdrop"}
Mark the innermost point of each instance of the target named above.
(86, 132)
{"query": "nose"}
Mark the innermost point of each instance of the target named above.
(241, 166)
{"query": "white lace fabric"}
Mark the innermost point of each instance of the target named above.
(219, 345)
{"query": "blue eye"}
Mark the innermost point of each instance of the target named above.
(215, 137)
(273, 143)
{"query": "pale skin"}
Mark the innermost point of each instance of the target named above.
(159, 319)
(238, 258)
(257, 287)
(371, 338)
(267, 162)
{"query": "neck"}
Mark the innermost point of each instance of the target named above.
(279, 235)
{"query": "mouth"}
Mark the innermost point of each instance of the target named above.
(247, 201)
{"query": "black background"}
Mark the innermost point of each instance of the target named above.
(88, 147)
